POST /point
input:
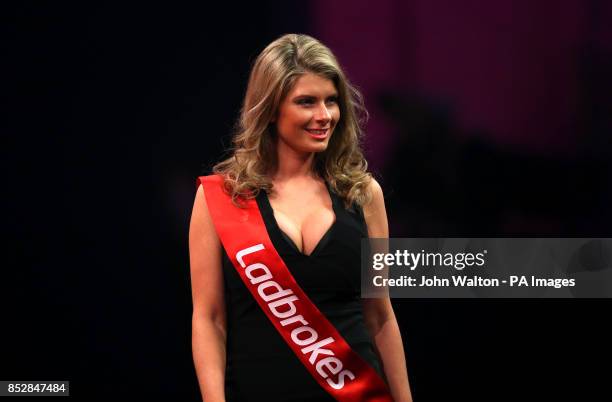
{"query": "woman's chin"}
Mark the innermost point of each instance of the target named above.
(318, 148)
(310, 147)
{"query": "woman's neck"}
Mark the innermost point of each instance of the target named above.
(292, 164)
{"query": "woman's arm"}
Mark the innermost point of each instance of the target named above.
(379, 316)
(208, 321)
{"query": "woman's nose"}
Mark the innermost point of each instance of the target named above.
(323, 114)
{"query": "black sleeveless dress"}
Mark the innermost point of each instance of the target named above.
(260, 364)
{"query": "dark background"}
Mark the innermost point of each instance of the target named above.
(111, 113)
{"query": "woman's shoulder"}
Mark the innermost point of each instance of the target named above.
(375, 190)
(374, 211)
(374, 195)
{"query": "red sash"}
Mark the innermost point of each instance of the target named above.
(313, 339)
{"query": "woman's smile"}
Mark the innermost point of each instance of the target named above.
(319, 134)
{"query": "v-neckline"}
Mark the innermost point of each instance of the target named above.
(288, 239)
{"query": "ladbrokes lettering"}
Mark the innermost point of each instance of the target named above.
(281, 303)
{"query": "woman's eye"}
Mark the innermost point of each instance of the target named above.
(308, 101)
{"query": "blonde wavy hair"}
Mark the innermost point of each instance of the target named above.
(275, 71)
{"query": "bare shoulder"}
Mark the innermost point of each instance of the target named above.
(201, 228)
(200, 216)
(377, 201)
(205, 260)
(375, 213)
(376, 190)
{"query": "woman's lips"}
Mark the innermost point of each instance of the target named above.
(318, 133)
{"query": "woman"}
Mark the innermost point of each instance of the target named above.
(296, 171)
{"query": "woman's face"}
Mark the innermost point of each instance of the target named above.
(308, 115)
